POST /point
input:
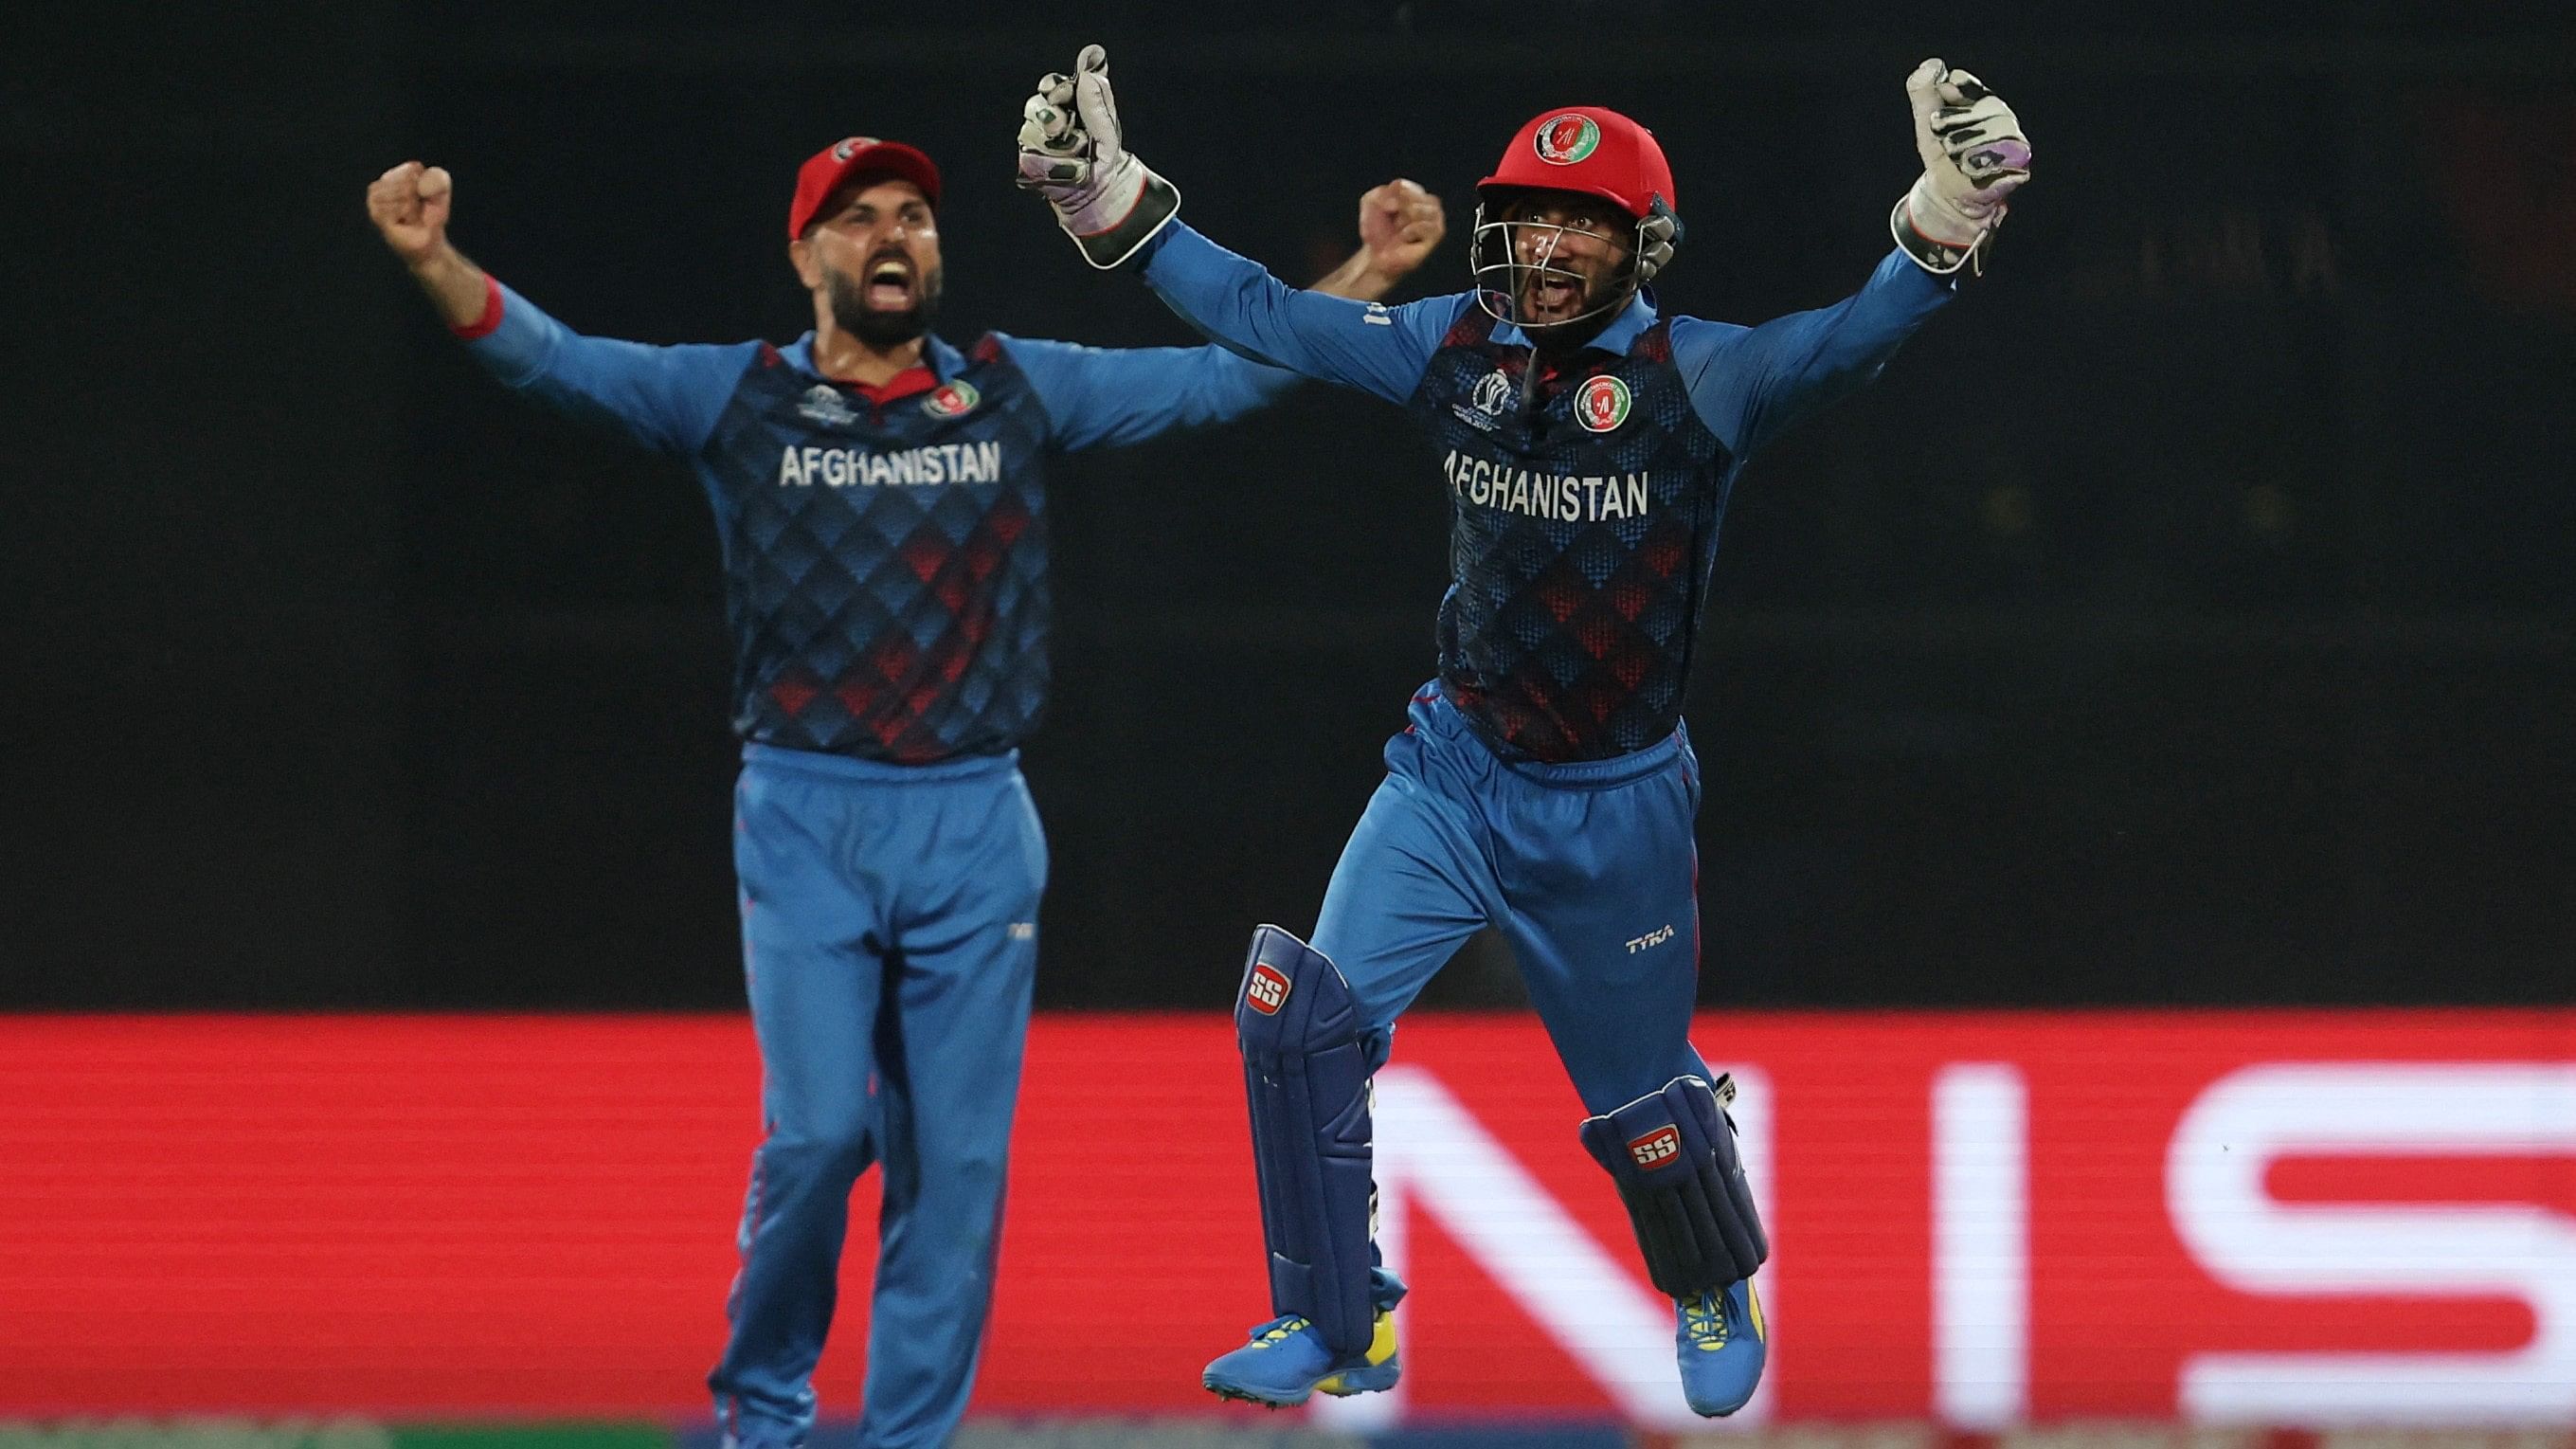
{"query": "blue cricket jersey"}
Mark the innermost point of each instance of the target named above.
(1585, 497)
(885, 565)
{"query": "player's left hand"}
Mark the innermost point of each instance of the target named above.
(1974, 157)
(1073, 153)
(1400, 224)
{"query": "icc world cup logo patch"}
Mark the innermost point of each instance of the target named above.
(954, 400)
(1566, 139)
(1601, 404)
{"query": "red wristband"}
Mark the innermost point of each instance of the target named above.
(490, 320)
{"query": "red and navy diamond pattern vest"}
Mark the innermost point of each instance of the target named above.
(885, 567)
(1583, 528)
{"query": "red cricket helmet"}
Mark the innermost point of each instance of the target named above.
(1590, 149)
(829, 169)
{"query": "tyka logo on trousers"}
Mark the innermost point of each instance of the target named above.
(1650, 940)
(1265, 990)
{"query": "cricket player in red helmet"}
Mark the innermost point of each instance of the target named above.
(1544, 784)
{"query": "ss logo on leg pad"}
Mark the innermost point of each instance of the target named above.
(1657, 1147)
(1265, 990)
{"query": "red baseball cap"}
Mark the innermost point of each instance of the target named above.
(1593, 150)
(831, 168)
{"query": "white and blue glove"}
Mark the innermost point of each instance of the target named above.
(1109, 202)
(1974, 158)
(1657, 235)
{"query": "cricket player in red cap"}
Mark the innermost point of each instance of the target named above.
(1544, 785)
(879, 496)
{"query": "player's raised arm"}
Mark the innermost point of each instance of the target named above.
(665, 397)
(1750, 383)
(1098, 395)
(1400, 225)
(410, 205)
(1073, 153)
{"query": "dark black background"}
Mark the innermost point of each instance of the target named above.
(2186, 616)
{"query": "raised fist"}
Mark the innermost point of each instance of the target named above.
(409, 205)
(1400, 223)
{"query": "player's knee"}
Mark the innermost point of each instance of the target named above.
(960, 1183)
(825, 1145)
(974, 1174)
(1293, 1001)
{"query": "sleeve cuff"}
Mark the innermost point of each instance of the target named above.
(489, 321)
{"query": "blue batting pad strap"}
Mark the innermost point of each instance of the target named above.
(1307, 1077)
(1672, 1154)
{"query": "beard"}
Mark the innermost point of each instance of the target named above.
(876, 326)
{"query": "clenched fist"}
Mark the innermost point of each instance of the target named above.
(1400, 223)
(409, 205)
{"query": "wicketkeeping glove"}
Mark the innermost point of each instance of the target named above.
(1657, 235)
(1104, 198)
(1974, 157)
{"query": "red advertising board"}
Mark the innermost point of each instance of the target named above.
(2267, 1217)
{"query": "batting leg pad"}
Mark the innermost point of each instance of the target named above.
(1672, 1153)
(1307, 1075)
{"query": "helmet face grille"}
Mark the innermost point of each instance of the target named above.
(1500, 276)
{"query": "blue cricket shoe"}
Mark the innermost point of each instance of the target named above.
(1720, 1343)
(1286, 1360)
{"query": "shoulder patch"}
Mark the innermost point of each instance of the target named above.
(987, 348)
(1655, 344)
(769, 356)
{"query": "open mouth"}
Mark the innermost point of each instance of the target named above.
(889, 285)
(1550, 297)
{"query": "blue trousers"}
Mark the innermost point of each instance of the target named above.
(889, 931)
(1590, 871)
